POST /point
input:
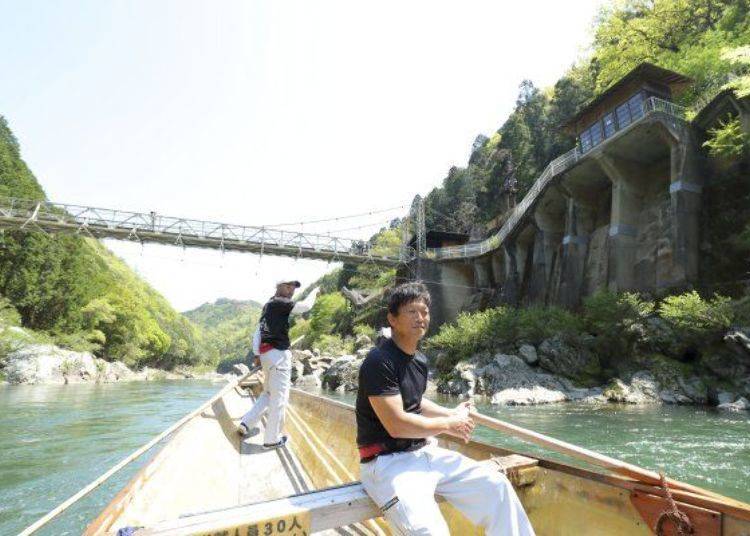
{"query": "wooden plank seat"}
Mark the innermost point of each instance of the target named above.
(313, 511)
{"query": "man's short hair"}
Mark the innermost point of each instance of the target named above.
(407, 293)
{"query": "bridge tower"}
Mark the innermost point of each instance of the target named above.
(417, 218)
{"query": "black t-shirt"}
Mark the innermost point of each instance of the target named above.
(387, 370)
(274, 322)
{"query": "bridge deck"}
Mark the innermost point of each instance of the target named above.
(149, 227)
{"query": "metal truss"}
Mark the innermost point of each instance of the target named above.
(29, 215)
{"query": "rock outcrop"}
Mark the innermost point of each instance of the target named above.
(509, 380)
(48, 364)
(558, 357)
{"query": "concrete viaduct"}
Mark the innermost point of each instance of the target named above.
(620, 211)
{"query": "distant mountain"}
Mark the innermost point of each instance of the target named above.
(211, 315)
(227, 326)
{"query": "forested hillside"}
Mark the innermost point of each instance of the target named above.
(228, 326)
(698, 38)
(74, 292)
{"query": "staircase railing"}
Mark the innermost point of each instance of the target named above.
(556, 167)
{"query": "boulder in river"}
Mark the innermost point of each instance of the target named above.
(741, 404)
(343, 374)
(642, 389)
(529, 354)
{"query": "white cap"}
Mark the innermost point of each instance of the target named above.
(290, 281)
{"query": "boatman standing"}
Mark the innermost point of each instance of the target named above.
(271, 347)
(402, 468)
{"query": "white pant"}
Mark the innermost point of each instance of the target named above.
(403, 485)
(277, 373)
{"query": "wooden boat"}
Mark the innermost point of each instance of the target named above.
(207, 480)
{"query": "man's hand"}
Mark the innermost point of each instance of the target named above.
(464, 425)
(464, 407)
(461, 425)
(303, 306)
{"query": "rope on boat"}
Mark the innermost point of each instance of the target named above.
(679, 519)
(38, 524)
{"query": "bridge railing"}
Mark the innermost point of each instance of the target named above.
(556, 167)
(102, 222)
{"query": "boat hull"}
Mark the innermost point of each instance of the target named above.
(206, 466)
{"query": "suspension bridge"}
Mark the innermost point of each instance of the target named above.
(50, 217)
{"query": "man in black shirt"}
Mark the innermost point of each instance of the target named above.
(271, 348)
(401, 465)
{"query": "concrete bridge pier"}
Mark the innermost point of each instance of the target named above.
(484, 283)
(497, 264)
(574, 249)
(685, 191)
(627, 201)
(512, 287)
(483, 273)
(549, 218)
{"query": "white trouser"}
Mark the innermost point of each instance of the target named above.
(277, 373)
(403, 485)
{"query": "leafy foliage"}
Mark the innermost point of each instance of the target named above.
(364, 329)
(328, 316)
(373, 277)
(622, 327)
(697, 321)
(334, 345)
(8, 314)
(497, 328)
(727, 140)
(617, 321)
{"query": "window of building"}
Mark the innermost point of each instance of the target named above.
(596, 134)
(585, 141)
(635, 103)
(623, 115)
(609, 124)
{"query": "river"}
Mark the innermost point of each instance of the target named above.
(56, 439)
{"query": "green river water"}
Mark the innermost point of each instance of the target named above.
(56, 439)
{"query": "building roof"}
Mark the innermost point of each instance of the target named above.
(644, 71)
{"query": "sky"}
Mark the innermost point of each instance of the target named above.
(265, 112)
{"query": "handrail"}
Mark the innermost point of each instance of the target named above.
(556, 167)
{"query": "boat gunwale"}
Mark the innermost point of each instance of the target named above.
(730, 506)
